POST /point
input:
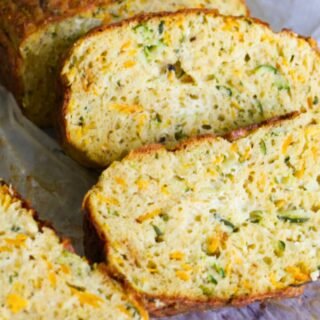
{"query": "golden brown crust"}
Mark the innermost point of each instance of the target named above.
(22, 17)
(63, 135)
(151, 148)
(213, 12)
(243, 132)
(174, 306)
(248, 13)
(231, 136)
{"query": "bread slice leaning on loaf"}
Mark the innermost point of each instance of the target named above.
(164, 77)
(34, 35)
(42, 279)
(216, 221)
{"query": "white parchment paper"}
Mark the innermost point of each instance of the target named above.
(55, 185)
(35, 165)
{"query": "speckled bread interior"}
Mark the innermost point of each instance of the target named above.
(165, 77)
(216, 221)
(34, 35)
(41, 279)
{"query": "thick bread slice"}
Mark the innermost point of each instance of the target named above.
(35, 34)
(163, 77)
(217, 221)
(41, 279)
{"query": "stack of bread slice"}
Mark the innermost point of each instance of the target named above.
(41, 278)
(228, 217)
(34, 36)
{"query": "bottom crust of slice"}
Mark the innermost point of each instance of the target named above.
(174, 306)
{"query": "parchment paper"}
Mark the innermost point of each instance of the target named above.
(36, 166)
(55, 185)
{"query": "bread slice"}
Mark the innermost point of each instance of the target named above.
(216, 221)
(163, 77)
(35, 34)
(41, 279)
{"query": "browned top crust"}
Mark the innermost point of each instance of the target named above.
(61, 123)
(174, 306)
(213, 12)
(18, 18)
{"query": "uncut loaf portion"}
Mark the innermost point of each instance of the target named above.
(216, 221)
(164, 77)
(34, 35)
(41, 279)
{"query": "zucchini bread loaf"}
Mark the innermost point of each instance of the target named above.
(35, 34)
(216, 221)
(41, 279)
(163, 77)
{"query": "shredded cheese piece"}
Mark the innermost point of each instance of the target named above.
(87, 298)
(16, 303)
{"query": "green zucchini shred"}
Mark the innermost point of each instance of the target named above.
(315, 100)
(263, 147)
(179, 134)
(293, 220)
(266, 67)
(164, 216)
(282, 245)
(281, 83)
(206, 127)
(227, 223)
(212, 279)
(132, 309)
(159, 233)
(219, 270)
(293, 216)
(255, 216)
(158, 118)
(157, 230)
(225, 89)
(206, 290)
(161, 27)
(260, 107)
(280, 248)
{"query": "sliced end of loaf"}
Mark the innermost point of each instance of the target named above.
(163, 77)
(214, 222)
(34, 38)
(41, 278)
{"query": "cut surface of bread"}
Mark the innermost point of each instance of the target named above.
(35, 34)
(168, 76)
(41, 279)
(216, 221)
